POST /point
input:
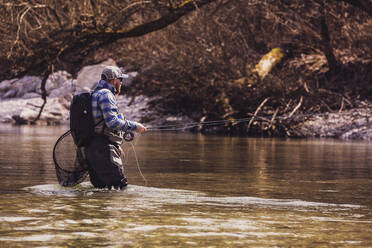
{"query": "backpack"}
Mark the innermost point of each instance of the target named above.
(81, 119)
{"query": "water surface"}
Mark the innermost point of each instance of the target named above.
(200, 191)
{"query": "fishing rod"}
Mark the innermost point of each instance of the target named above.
(178, 127)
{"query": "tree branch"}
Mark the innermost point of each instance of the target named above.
(164, 21)
(364, 5)
(256, 112)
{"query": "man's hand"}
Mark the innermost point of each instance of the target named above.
(140, 128)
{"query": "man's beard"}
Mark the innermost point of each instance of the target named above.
(118, 88)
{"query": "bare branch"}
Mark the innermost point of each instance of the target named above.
(295, 109)
(256, 112)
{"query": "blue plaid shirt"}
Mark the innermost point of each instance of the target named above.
(104, 106)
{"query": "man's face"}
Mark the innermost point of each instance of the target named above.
(117, 85)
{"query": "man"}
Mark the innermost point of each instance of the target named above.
(103, 154)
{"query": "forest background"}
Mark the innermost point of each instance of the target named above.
(203, 58)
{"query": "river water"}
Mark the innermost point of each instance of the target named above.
(200, 191)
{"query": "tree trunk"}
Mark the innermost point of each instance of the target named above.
(43, 96)
(326, 40)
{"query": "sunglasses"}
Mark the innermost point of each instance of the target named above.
(122, 82)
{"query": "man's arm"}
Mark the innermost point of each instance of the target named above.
(110, 113)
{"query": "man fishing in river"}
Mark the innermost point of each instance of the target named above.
(104, 152)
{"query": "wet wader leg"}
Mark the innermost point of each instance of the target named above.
(105, 165)
(118, 177)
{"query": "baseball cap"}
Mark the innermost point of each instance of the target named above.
(112, 72)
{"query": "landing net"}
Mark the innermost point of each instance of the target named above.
(69, 161)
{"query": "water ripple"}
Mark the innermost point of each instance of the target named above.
(156, 197)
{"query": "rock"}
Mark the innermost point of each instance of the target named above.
(352, 124)
(20, 87)
(24, 111)
(6, 84)
(19, 120)
(129, 79)
(31, 95)
(21, 103)
(22, 97)
(54, 112)
(65, 90)
(57, 80)
(363, 133)
(89, 76)
(27, 116)
(58, 83)
(133, 109)
(10, 93)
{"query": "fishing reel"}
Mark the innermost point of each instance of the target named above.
(128, 136)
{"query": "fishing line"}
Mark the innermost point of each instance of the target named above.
(138, 166)
(133, 143)
(192, 125)
(178, 127)
(71, 167)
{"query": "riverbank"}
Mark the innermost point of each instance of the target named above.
(354, 124)
(21, 102)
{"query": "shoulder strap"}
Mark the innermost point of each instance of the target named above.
(104, 125)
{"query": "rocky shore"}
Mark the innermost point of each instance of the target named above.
(21, 99)
(354, 124)
(21, 102)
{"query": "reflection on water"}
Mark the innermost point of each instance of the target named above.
(202, 191)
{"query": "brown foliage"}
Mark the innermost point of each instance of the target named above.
(202, 66)
(38, 36)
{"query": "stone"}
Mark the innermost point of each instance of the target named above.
(10, 93)
(89, 76)
(351, 124)
(22, 96)
(6, 85)
(57, 80)
(54, 112)
(130, 78)
(20, 87)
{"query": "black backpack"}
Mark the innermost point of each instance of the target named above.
(81, 119)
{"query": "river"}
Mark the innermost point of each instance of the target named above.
(197, 191)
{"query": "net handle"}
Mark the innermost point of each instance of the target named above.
(54, 153)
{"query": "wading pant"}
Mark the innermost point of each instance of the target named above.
(105, 166)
